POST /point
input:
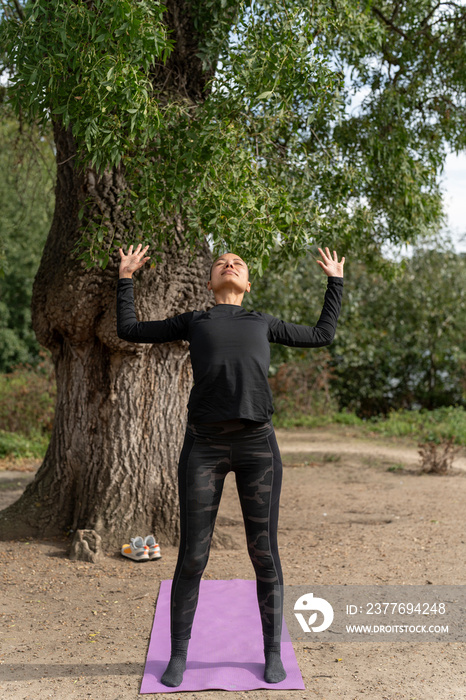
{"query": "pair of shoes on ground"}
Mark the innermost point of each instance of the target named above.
(141, 549)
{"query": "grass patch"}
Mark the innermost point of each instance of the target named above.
(436, 426)
(27, 406)
(27, 399)
(285, 420)
(396, 468)
(22, 446)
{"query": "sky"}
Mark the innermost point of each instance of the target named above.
(454, 185)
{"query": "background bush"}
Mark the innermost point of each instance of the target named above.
(27, 175)
(399, 342)
(27, 398)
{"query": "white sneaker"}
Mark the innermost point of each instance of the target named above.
(154, 548)
(136, 550)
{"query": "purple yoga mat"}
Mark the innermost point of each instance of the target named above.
(226, 649)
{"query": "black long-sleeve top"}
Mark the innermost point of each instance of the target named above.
(230, 351)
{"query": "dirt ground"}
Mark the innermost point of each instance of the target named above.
(353, 511)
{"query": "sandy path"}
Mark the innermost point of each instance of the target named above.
(78, 631)
(327, 441)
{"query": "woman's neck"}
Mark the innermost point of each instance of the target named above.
(229, 298)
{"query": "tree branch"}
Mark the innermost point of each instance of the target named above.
(67, 159)
(426, 19)
(19, 10)
(395, 10)
(389, 23)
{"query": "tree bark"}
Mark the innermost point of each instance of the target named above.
(121, 407)
(111, 465)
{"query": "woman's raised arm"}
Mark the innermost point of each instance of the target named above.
(323, 333)
(128, 326)
(131, 262)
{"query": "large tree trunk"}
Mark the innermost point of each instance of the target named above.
(121, 407)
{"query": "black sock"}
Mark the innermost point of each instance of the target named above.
(173, 674)
(274, 671)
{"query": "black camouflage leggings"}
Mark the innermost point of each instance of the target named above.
(209, 452)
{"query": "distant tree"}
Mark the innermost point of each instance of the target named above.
(27, 178)
(399, 341)
(408, 345)
(199, 119)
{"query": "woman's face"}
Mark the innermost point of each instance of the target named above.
(229, 271)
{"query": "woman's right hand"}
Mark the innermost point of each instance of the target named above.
(132, 261)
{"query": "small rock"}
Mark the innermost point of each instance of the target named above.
(86, 546)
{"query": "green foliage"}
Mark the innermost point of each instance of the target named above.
(400, 338)
(27, 407)
(268, 157)
(435, 426)
(89, 64)
(27, 173)
(400, 343)
(293, 291)
(303, 388)
(18, 445)
(346, 417)
(27, 399)
(225, 165)
(414, 105)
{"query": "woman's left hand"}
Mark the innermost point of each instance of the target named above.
(330, 266)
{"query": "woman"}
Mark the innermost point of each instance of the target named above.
(228, 428)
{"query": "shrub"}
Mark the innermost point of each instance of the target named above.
(437, 457)
(303, 388)
(20, 446)
(27, 398)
